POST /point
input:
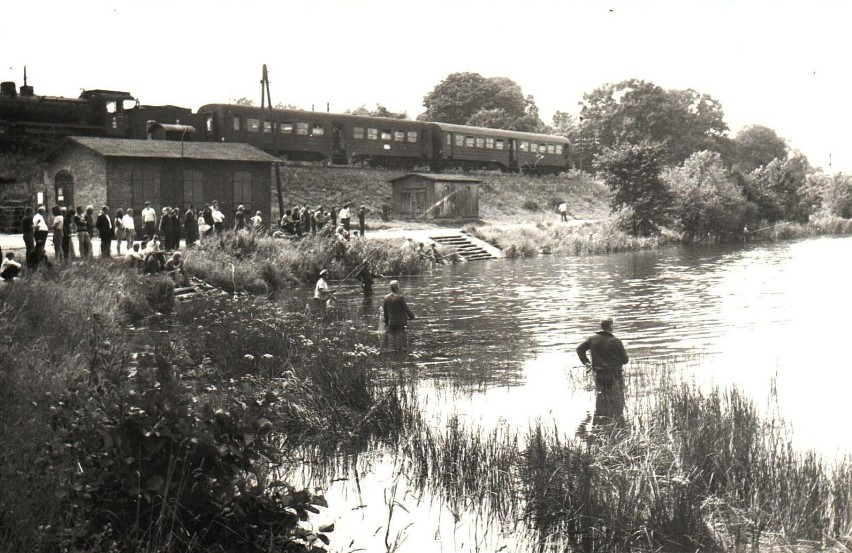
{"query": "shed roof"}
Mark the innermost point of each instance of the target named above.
(439, 177)
(162, 149)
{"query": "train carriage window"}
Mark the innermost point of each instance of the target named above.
(459, 140)
(386, 135)
(302, 128)
(285, 128)
(252, 124)
(208, 120)
(533, 147)
(242, 189)
(499, 144)
(412, 136)
(469, 142)
(559, 149)
(399, 136)
(449, 139)
(489, 143)
(542, 149)
(358, 132)
(551, 149)
(480, 142)
(317, 130)
(524, 146)
(267, 126)
(373, 134)
(236, 123)
(111, 107)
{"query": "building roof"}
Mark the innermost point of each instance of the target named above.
(437, 177)
(162, 149)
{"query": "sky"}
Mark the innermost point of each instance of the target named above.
(774, 63)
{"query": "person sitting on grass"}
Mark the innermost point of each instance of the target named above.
(174, 268)
(10, 268)
(155, 259)
(135, 257)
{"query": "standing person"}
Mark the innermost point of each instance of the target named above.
(84, 239)
(333, 215)
(129, 228)
(396, 316)
(190, 226)
(27, 231)
(345, 217)
(149, 220)
(165, 230)
(240, 218)
(176, 224)
(119, 230)
(67, 232)
(257, 222)
(89, 219)
(322, 294)
(563, 212)
(362, 217)
(40, 231)
(320, 218)
(218, 219)
(58, 228)
(366, 276)
(208, 220)
(106, 230)
(608, 360)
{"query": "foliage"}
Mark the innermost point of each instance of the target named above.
(780, 190)
(834, 192)
(635, 111)
(471, 99)
(756, 146)
(244, 101)
(706, 200)
(632, 171)
(380, 111)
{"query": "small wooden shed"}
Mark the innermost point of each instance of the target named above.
(427, 196)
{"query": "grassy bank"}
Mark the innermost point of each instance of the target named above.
(173, 448)
(693, 471)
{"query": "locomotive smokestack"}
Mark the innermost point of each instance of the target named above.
(26, 90)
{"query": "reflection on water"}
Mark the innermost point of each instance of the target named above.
(755, 313)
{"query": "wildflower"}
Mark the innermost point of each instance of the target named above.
(248, 357)
(267, 356)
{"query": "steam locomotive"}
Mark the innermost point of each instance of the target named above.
(37, 123)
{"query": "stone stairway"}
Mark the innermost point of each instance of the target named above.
(466, 245)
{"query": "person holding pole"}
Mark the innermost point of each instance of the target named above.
(396, 316)
(608, 360)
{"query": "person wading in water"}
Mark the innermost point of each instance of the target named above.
(396, 317)
(608, 359)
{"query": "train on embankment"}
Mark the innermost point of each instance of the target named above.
(31, 123)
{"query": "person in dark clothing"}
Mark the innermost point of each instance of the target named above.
(176, 224)
(27, 231)
(362, 216)
(240, 218)
(396, 316)
(68, 228)
(367, 276)
(608, 360)
(106, 230)
(190, 227)
(208, 219)
(165, 230)
(84, 239)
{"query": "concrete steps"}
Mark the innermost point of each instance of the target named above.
(467, 246)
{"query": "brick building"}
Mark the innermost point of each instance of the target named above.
(125, 173)
(441, 198)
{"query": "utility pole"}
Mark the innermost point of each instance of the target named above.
(266, 98)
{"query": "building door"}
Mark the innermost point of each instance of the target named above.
(63, 184)
(418, 207)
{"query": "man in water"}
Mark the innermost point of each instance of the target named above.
(396, 317)
(608, 358)
(366, 276)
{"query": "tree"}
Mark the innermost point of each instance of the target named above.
(780, 190)
(756, 146)
(706, 199)
(471, 99)
(632, 171)
(632, 111)
(380, 111)
(244, 101)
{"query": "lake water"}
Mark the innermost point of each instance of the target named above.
(750, 316)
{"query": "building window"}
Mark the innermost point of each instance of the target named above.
(358, 132)
(499, 144)
(373, 134)
(267, 126)
(469, 141)
(285, 128)
(559, 149)
(412, 136)
(459, 140)
(302, 128)
(399, 136)
(242, 189)
(236, 123)
(524, 146)
(64, 183)
(480, 142)
(193, 188)
(144, 186)
(317, 130)
(386, 135)
(252, 125)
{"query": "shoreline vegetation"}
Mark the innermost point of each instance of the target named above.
(173, 438)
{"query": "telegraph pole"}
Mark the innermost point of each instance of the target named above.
(266, 98)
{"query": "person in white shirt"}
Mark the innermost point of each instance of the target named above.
(563, 212)
(321, 292)
(257, 222)
(345, 217)
(149, 220)
(40, 231)
(218, 219)
(58, 232)
(10, 268)
(129, 228)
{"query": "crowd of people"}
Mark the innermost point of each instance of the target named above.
(301, 220)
